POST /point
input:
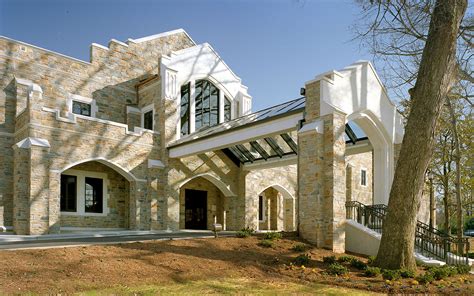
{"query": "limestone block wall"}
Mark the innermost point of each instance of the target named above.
(256, 181)
(354, 190)
(6, 180)
(118, 191)
(275, 211)
(216, 202)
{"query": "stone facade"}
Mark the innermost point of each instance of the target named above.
(355, 191)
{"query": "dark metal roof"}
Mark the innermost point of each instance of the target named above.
(283, 109)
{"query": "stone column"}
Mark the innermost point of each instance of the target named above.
(31, 186)
(138, 205)
(54, 201)
(280, 212)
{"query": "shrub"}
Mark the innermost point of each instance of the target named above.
(329, 259)
(372, 271)
(302, 259)
(337, 269)
(345, 259)
(356, 263)
(273, 235)
(266, 243)
(463, 269)
(425, 278)
(391, 274)
(242, 234)
(406, 273)
(439, 273)
(299, 247)
(370, 260)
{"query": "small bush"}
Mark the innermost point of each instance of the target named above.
(337, 269)
(266, 243)
(463, 269)
(329, 259)
(345, 259)
(372, 271)
(302, 259)
(356, 263)
(391, 275)
(425, 278)
(299, 247)
(452, 270)
(273, 235)
(370, 260)
(242, 234)
(407, 273)
(439, 273)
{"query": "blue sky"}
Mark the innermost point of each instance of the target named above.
(274, 46)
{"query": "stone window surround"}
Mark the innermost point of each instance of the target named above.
(78, 98)
(366, 177)
(192, 104)
(81, 177)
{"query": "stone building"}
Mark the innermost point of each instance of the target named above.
(158, 133)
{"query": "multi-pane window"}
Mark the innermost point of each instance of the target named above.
(81, 108)
(363, 177)
(68, 199)
(93, 195)
(185, 109)
(227, 109)
(148, 120)
(206, 104)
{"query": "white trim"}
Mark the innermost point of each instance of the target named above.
(224, 188)
(271, 163)
(144, 110)
(160, 35)
(92, 102)
(80, 192)
(366, 177)
(264, 129)
(131, 109)
(27, 143)
(314, 126)
(153, 163)
(5, 134)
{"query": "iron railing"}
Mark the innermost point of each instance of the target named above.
(428, 240)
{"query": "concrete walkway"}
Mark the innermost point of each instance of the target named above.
(9, 241)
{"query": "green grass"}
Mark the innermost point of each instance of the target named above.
(241, 286)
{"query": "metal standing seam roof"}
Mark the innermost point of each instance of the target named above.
(287, 108)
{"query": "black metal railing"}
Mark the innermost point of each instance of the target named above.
(428, 240)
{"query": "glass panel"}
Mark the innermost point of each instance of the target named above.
(227, 109)
(198, 104)
(185, 109)
(206, 104)
(68, 198)
(93, 195)
(214, 105)
(148, 120)
(260, 208)
(81, 108)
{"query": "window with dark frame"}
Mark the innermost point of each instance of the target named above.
(206, 104)
(227, 110)
(93, 195)
(81, 108)
(260, 208)
(148, 120)
(185, 111)
(68, 198)
(363, 177)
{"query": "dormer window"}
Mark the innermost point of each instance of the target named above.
(81, 108)
(207, 106)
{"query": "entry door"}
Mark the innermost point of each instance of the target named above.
(195, 204)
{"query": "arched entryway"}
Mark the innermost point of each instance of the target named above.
(204, 200)
(276, 209)
(94, 194)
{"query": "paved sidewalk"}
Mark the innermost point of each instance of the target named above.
(10, 241)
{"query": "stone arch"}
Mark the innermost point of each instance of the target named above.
(118, 168)
(284, 192)
(383, 153)
(214, 180)
(282, 213)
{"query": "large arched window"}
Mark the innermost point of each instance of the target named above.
(206, 107)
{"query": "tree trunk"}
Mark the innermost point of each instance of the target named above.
(433, 82)
(447, 224)
(457, 161)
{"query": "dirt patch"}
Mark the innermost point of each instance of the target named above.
(66, 270)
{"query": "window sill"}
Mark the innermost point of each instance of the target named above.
(83, 214)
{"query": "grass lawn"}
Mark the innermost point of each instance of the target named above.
(231, 286)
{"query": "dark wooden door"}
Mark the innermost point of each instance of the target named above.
(195, 204)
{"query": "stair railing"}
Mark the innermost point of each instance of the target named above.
(428, 240)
